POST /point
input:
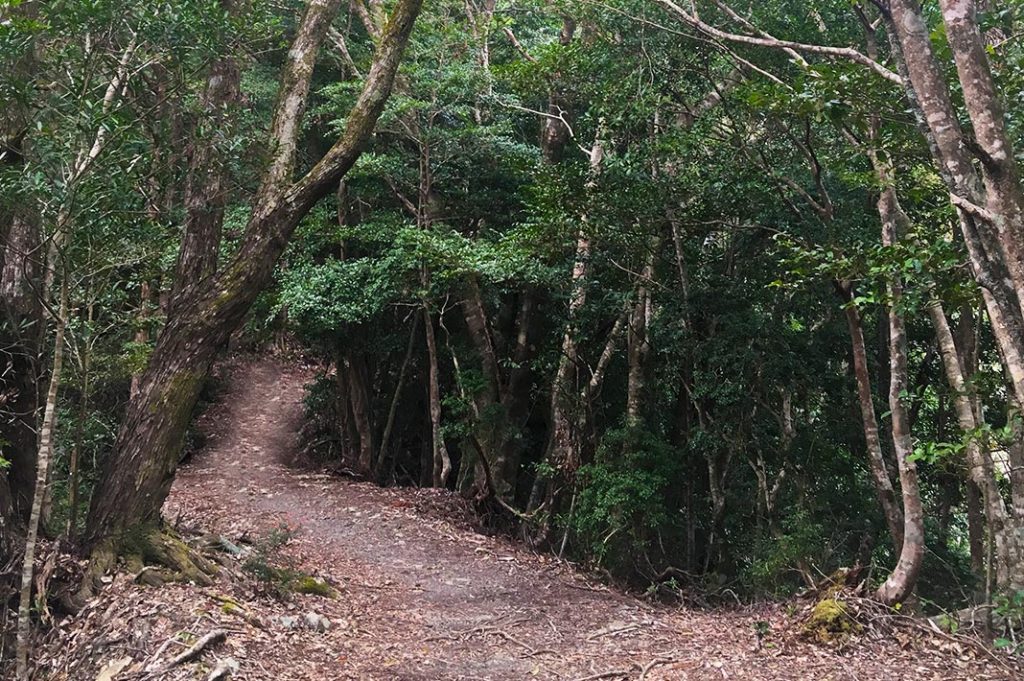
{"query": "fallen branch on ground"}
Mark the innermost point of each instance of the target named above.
(215, 636)
(615, 673)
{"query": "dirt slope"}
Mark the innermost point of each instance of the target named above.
(421, 598)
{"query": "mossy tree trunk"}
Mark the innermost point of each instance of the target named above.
(138, 475)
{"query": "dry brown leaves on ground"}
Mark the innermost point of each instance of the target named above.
(417, 596)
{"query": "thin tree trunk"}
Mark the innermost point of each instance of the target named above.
(876, 460)
(46, 433)
(83, 410)
(901, 582)
(1004, 527)
(976, 529)
(344, 410)
(385, 439)
(564, 447)
(488, 402)
(638, 344)
(441, 460)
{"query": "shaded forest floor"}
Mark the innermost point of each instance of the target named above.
(418, 595)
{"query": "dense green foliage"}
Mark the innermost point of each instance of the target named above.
(720, 442)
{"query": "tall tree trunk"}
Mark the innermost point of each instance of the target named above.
(46, 433)
(563, 453)
(83, 411)
(205, 191)
(982, 209)
(976, 531)
(21, 323)
(901, 582)
(362, 411)
(981, 469)
(141, 468)
(637, 343)
(21, 332)
(876, 460)
(1001, 178)
(488, 404)
(389, 424)
(1004, 527)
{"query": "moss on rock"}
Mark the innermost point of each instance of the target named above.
(308, 584)
(830, 622)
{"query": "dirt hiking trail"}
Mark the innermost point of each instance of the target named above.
(420, 597)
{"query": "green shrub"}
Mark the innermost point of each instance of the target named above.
(626, 504)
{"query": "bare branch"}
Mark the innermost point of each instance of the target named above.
(518, 45)
(847, 53)
(338, 40)
(745, 23)
(972, 208)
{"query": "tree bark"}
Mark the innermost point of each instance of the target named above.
(985, 108)
(205, 193)
(901, 582)
(976, 530)
(563, 452)
(876, 460)
(442, 464)
(490, 402)
(83, 411)
(20, 344)
(637, 342)
(46, 433)
(991, 252)
(1004, 526)
(20, 319)
(362, 411)
(141, 468)
(389, 424)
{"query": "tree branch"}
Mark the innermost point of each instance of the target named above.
(847, 53)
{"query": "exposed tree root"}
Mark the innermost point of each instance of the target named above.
(155, 556)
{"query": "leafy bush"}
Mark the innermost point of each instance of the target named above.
(626, 503)
(773, 562)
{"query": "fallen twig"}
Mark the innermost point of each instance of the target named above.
(532, 652)
(651, 665)
(604, 675)
(215, 636)
(612, 632)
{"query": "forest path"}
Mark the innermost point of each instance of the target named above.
(422, 598)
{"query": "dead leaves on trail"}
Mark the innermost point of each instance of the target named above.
(419, 595)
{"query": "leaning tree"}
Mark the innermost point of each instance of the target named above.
(125, 510)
